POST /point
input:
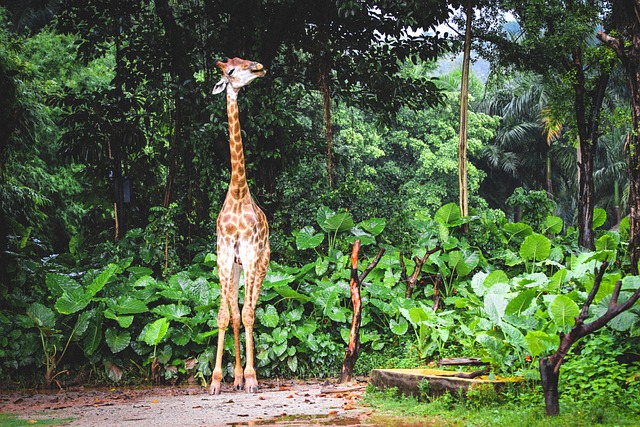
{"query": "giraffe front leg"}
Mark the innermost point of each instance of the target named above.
(251, 381)
(223, 322)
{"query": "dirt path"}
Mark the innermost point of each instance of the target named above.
(290, 403)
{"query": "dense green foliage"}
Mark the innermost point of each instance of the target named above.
(114, 164)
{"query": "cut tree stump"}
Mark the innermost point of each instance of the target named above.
(408, 381)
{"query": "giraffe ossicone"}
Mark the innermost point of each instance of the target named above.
(242, 237)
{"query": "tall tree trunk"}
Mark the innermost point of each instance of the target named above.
(464, 108)
(629, 55)
(588, 123)
(584, 157)
(634, 166)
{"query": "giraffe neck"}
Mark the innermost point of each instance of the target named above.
(238, 187)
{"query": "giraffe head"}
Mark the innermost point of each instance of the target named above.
(237, 73)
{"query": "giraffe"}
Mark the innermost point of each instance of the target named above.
(242, 237)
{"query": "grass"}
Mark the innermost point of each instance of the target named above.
(13, 420)
(508, 411)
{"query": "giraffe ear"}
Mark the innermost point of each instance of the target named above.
(220, 86)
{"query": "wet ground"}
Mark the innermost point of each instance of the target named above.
(292, 403)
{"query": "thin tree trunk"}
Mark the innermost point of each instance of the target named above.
(588, 124)
(548, 174)
(325, 88)
(353, 349)
(464, 108)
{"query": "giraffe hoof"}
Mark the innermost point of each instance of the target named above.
(214, 389)
(238, 387)
(251, 386)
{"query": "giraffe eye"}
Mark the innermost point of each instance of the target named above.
(231, 71)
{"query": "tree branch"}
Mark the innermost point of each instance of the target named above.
(613, 43)
(411, 281)
(372, 265)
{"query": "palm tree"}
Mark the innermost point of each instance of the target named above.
(528, 149)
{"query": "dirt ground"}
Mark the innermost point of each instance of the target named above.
(278, 403)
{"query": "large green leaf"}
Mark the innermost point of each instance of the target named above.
(496, 276)
(268, 316)
(100, 280)
(563, 311)
(93, 337)
(72, 301)
(399, 327)
(127, 305)
(59, 283)
(463, 263)
(82, 324)
(535, 247)
(624, 321)
(307, 238)
(117, 340)
(552, 225)
(513, 335)
(494, 306)
(599, 217)
(155, 332)
(374, 226)
(335, 222)
(477, 283)
(172, 311)
(521, 302)
(289, 293)
(42, 315)
(124, 321)
(494, 346)
(448, 215)
(539, 342)
(557, 279)
(359, 234)
(606, 243)
(517, 229)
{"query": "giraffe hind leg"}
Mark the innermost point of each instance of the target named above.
(253, 284)
(238, 381)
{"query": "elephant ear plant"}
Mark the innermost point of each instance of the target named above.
(73, 299)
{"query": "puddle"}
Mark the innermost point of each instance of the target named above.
(325, 421)
(299, 421)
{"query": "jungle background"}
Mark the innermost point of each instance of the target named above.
(114, 163)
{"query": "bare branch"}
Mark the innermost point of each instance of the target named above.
(599, 274)
(372, 265)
